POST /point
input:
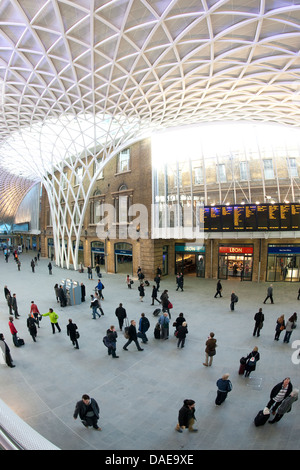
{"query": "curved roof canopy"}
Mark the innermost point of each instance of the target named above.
(141, 64)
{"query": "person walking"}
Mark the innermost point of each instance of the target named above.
(224, 387)
(178, 322)
(289, 327)
(179, 281)
(100, 287)
(219, 289)
(186, 416)
(32, 264)
(154, 295)
(53, 320)
(269, 294)
(144, 326)
(141, 290)
(121, 315)
(164, 322)
(157, 281)
(31, 325)
(14, 305)
(286, 406)
(279, 393)
(280, 326)
(90, 272)
(6, 351)
(132, 333)
(112, 338)
(210, 350)
(251, 361)
(233, 300)
(72, 332)
(259, 321)
(89, 412)
(94, 305)
(165, 301)
(181, 334)
(83, 292)
(34, 312)
(50, 267)
(97, 296)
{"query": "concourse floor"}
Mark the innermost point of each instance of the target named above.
(141, 392)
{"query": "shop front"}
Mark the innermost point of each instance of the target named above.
(190, 259)
(283, 263)
(235, 262)
(123, 258)
(97, 253)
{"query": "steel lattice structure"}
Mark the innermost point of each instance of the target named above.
(84, 78)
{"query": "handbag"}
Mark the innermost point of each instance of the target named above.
(77, 335)
(170, 305)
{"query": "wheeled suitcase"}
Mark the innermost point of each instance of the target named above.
(262, 417)
(156, 312)
(157, 332)
(242, 369)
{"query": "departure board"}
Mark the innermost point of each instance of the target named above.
(215, 219)
(295, 216)
(274, 217)
(206, 219)
(262, 217)
(250, 217)
(227, 218)
(285, 217)
(239, 217)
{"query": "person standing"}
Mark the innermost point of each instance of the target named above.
(14, 305)
(154, 295)
(31, 325)
(182, 331)
(251, 361)
(144, 325)
(269, 294)
(13, 331)
(219, 289)
(132, 337)
(286, 406)
(112, 338)
(9, 303)
(90, 272)
(32, 264)
(73, 333)
(164, 322)
(280, 326)
(83, 293)
(121, 315)
(89, 412)
(210, 350)
(186, 416)
(165, 301)
(62, 296)
(56, 290)
(179, 320)
(50, 267)
(53, 320)
(6, 351)
(279, 393)
(259, 321)
(34, 312)
(224, 387)
(289, 327)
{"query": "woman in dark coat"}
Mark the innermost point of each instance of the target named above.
(251, 361)
(31, 325)
(71, 331)
(186, 416)
(6, 352)
(280, 326)
(181, 334)
(141, 291)
(179, 320)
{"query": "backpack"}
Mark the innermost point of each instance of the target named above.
(106, 342)
(126, 332)
(251, 361)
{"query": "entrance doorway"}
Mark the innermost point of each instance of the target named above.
(190, 260)
(123, 258)
(235, 262)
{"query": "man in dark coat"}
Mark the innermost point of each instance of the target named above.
(88, 411)
(259, 319)
(83, 293)
(219, 289)
(62, 297)
(121, 315)
(112, 337)
(279, 393)
(71, 332)
(154, 295)
(132, 333)
(269, 294)
(186, 416)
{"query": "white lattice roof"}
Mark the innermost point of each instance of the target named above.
(139, 63)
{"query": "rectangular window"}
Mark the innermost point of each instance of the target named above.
(221, 172)
(123, 161)
(97, 164)
(244, 176)
(292, 166)
(268, 169)
(78, 175)
(198, 175)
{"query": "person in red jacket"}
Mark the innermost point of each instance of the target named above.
(34, 312)
(13, 330)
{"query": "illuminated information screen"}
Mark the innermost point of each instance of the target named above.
(252, 217)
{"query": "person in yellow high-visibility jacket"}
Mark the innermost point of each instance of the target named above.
(53, 320)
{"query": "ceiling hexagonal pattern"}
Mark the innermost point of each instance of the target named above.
(155, 63)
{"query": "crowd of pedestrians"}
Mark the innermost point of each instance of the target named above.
(136, 331)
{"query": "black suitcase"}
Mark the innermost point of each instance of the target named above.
(261, 418)
(157, 332)
(156, 312)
